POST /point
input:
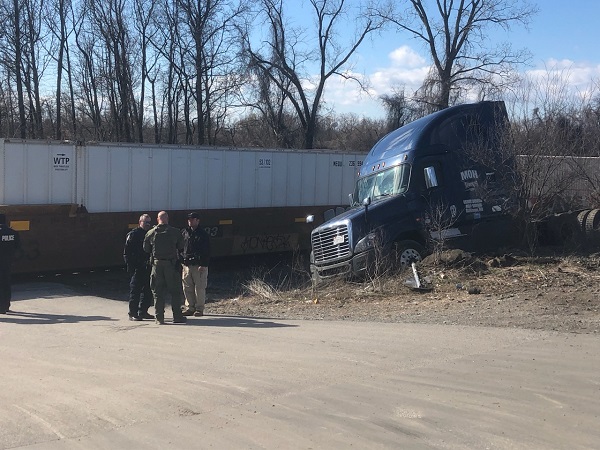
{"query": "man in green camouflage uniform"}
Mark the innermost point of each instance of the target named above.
(163, 242)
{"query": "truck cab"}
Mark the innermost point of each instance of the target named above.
(430, 181)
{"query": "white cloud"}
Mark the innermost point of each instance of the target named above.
(567, 78)
(406, 57)
(404, 68)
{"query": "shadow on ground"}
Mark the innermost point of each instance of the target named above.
(25, 318)
(233, 322)
(227, 277)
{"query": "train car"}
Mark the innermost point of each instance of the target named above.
(73, 203)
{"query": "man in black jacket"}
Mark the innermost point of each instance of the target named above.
(196, 257)
(9, 244)
(138, 266)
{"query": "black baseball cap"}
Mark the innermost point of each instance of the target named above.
(193, 215)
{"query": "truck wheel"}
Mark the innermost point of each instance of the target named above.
(407, 252)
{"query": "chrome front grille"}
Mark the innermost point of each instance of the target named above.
(330, 244)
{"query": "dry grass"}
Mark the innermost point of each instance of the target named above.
(493, 276)
(262, 289)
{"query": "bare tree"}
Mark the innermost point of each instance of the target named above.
(287, 57)
(399, 109)
(274, 107)
(11, 50)
(206, 62)
(456, 34)
(35, 60)
(145, 27)
(87, 70)
(59, 18)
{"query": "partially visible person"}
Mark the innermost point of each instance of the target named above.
(9, 244)
(138, 266)
(195, 259)
(164, 243)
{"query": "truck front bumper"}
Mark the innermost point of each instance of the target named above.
(356, 266)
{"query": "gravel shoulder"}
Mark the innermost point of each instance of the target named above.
(543, 293)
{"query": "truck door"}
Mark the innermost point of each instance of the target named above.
(440, 208)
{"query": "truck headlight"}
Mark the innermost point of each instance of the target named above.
(366, 243)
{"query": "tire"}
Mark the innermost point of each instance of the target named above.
(406, 252)
(581, 219)
(592, 221)
(565, 230)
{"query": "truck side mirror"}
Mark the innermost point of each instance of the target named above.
(366, 202)
(351, 198)
(430, 177)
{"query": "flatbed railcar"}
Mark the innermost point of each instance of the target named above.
(73, 203)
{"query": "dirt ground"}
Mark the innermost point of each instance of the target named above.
(552, 292)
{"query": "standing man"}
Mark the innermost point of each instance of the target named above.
(138, 266)
(164, 242)
(196, 256)
(9, 243)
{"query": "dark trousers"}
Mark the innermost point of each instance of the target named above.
(5, 292)
(140, 294)
(165, 280)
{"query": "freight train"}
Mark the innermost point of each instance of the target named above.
(73, 203)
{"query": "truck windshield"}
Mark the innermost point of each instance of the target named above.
(392, 181)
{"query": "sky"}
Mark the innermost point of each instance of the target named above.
(563, 36)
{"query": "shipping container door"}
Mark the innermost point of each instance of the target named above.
(181, 183)
(119, 177)
(63, 169)
(159, 179)
(232, 183)
(141, 179)
(309, 179)
(264, 179)
(336, 177)
(15, 176)
(248, 178)
(215, 177)
(324, 170)
(38, 173)
(97, 179)
(279, 178)
(294, 177)
(198, 179)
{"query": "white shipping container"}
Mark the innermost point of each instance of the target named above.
(37, 172)
(110, 177)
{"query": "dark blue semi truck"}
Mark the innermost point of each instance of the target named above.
(431, 180)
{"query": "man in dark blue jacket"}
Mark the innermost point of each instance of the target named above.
(9, 244)
(139, 267)
(196, 257)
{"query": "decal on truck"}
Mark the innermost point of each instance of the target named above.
(470, 178)
(474, 205)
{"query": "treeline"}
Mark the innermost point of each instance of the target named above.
(170, 71)
(238, 72)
